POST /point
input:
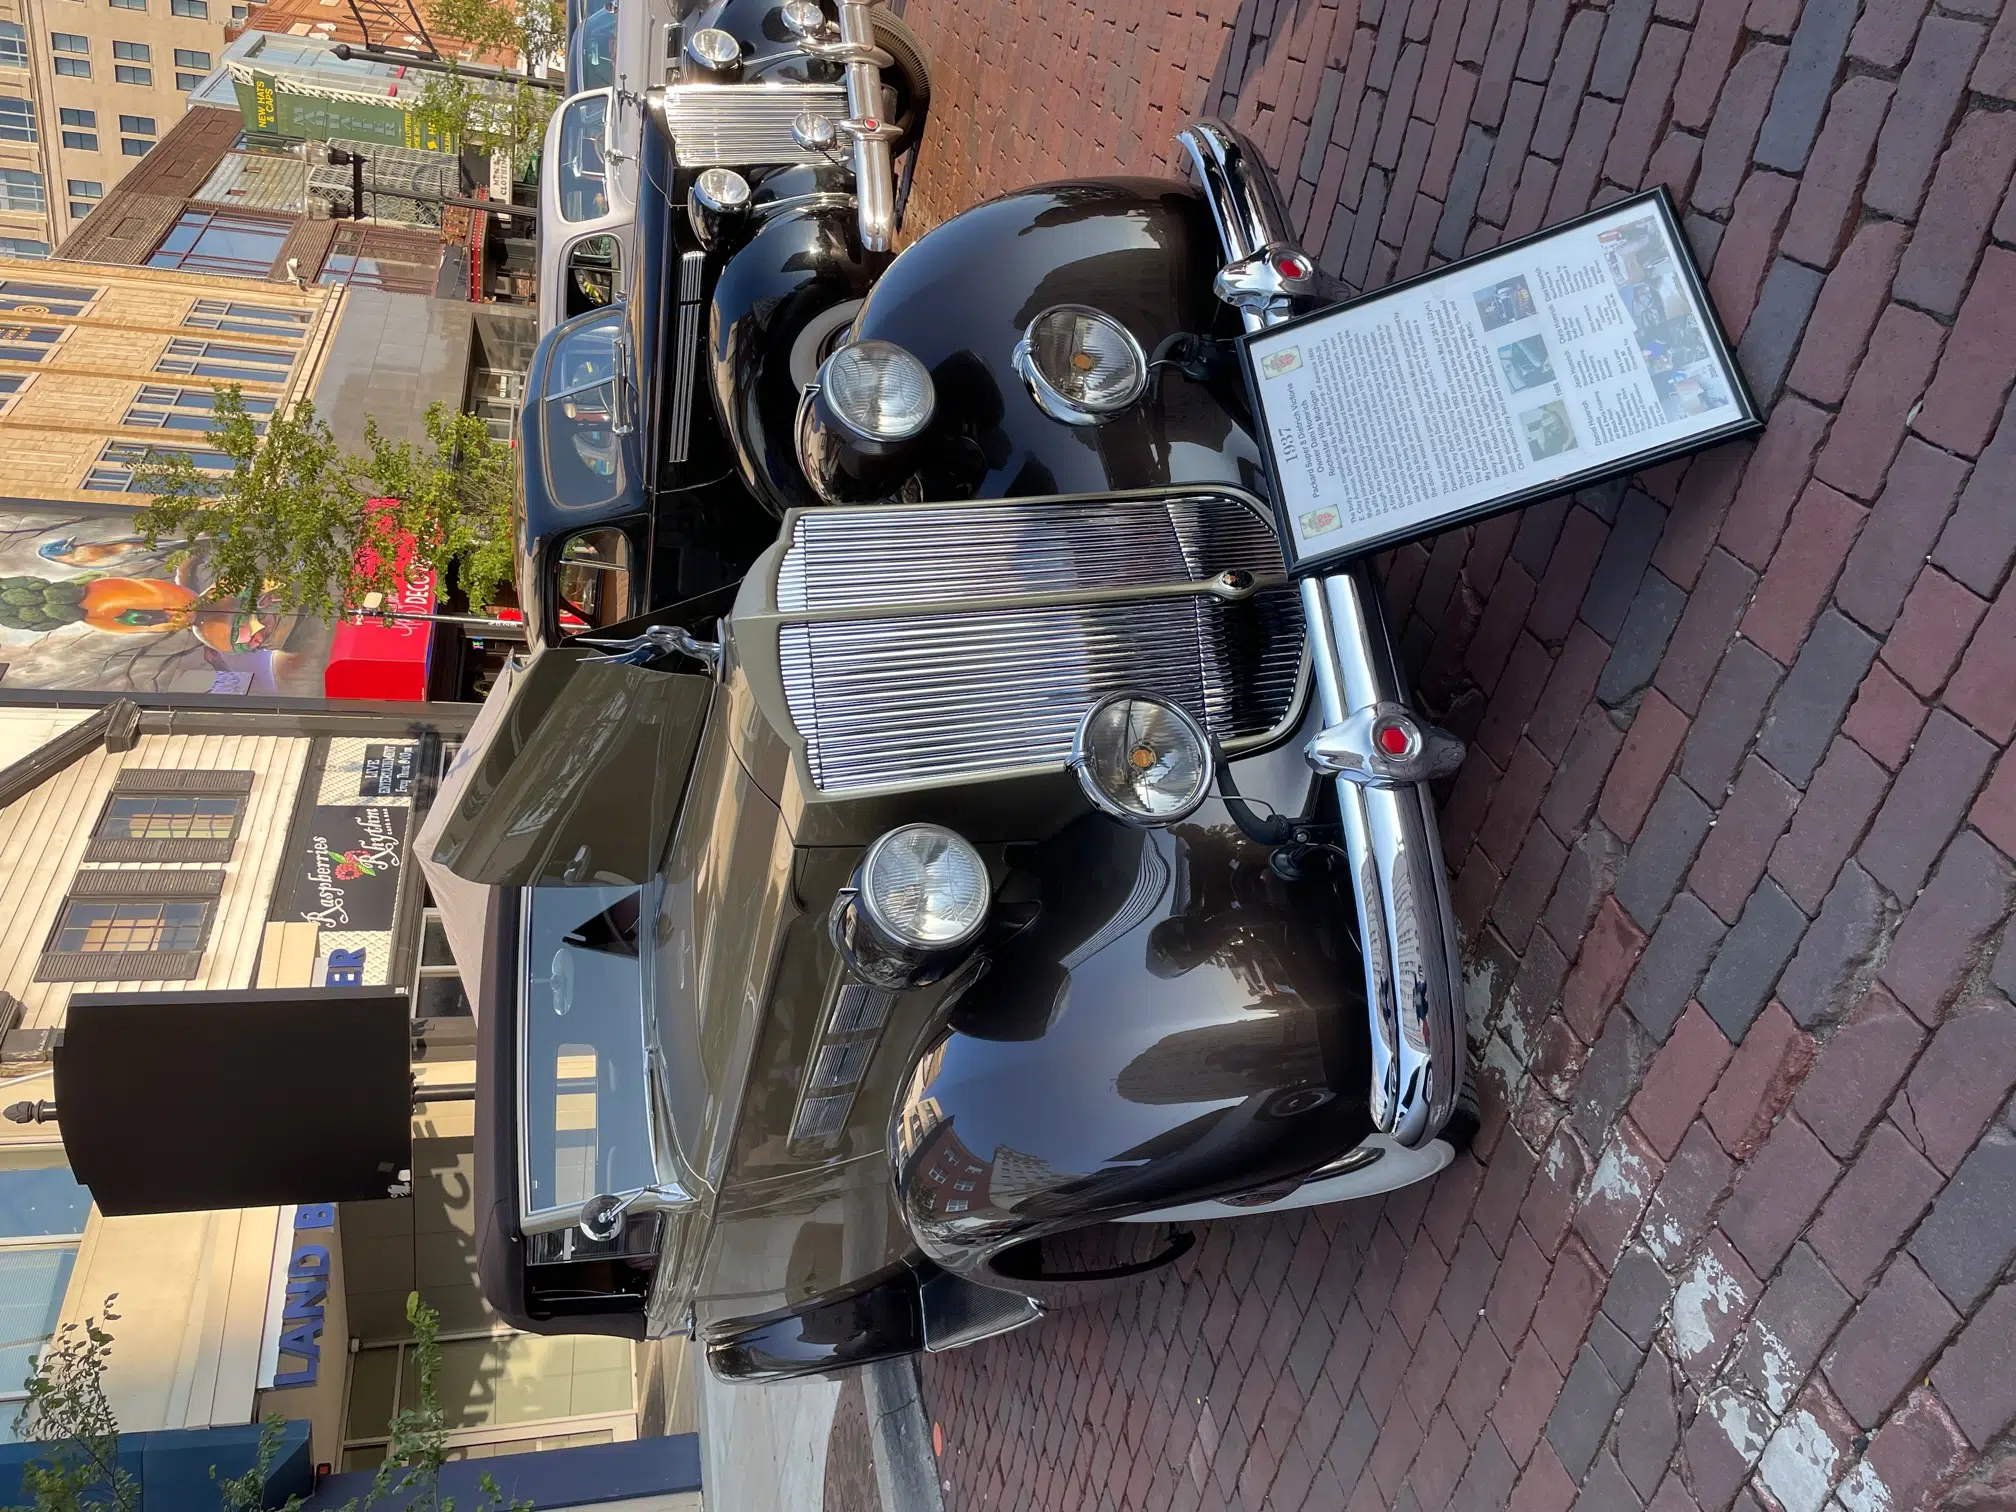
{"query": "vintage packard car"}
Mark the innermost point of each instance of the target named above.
(728, 82)
(700, 275)
(1022, 869)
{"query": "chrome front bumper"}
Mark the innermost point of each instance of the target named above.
(1406, 925)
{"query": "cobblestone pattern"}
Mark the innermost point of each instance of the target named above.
(1732, 846)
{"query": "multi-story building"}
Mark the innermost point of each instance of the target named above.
(87, 90)
(194, 850)
(203, 270)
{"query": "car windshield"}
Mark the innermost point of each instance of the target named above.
(583, 178)
(578, 11)
(586, 1115)
(591, 56)
(584, 392)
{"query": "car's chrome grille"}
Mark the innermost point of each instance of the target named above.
(907, 699)
(745, 125)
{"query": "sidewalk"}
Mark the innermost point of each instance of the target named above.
(1733, 845)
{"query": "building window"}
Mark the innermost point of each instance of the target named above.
(114, 472)
(133, 52)
(160, 407)
(13, 45)
(222, 241)
(135, 146)
(74, 68)
(28, 343)
(437, 987)
(85, 189)
(188, 57)
(17, 120)
(241, 12)
(227, 363)
(188, 81)
(126, 925)
(79, 141)
(21, 246)
(21, 189)
(171, 816)
(43, 1210)
(139, 5)
(81, 208)
(198, 10)
(10, 385)
(247, 319)
(137, 125)
(127, 73)
(69, 42)
(47, 299)
(372, 258)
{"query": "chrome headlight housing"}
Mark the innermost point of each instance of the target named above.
(1142, 760)
(878, 391)
(1082, 366)
(915, 907)
(714, 49)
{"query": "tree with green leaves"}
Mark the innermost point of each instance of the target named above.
(68, 1415)
(500, 115)
(299, 526)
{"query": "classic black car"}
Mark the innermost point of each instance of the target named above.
(1028, 871)
(699, 274)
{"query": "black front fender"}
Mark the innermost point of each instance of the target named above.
(798, 263)
(1142, 251)
(1179, 1023)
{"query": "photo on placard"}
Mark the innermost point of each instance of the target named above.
(1549, 432)
(1526, 363)
(1504, 302)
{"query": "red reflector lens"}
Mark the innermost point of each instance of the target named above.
(1393, 740)
(1290, 267)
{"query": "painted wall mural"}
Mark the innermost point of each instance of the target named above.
(85, 603)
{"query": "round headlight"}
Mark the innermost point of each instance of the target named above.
(1142, 759)
(721, 189)
(712, 47)
(925, 887)
(1081, 366)
(878, 390)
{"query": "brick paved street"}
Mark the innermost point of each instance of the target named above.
(1733, 843)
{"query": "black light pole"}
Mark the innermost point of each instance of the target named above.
(435, 63)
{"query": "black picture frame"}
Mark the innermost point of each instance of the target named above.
(1745, 421)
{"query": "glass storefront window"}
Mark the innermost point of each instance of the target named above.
(42, 1215)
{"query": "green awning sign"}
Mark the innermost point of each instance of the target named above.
(268, 105)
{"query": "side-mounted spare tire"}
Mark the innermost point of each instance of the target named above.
(910, 79)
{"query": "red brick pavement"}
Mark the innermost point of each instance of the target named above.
(1739, 1228)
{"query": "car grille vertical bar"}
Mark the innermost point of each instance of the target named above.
(685, 358)
(903, 699)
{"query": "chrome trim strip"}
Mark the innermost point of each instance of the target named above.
(1413, 959)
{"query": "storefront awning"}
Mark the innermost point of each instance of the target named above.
(377, 654)
(463, 905)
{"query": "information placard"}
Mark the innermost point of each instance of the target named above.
(1583, 352)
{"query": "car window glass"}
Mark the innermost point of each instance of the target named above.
(592, 580)
(583, 178)
(586, 1112)
(591, 56)
(592, 265)
(584, 393)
